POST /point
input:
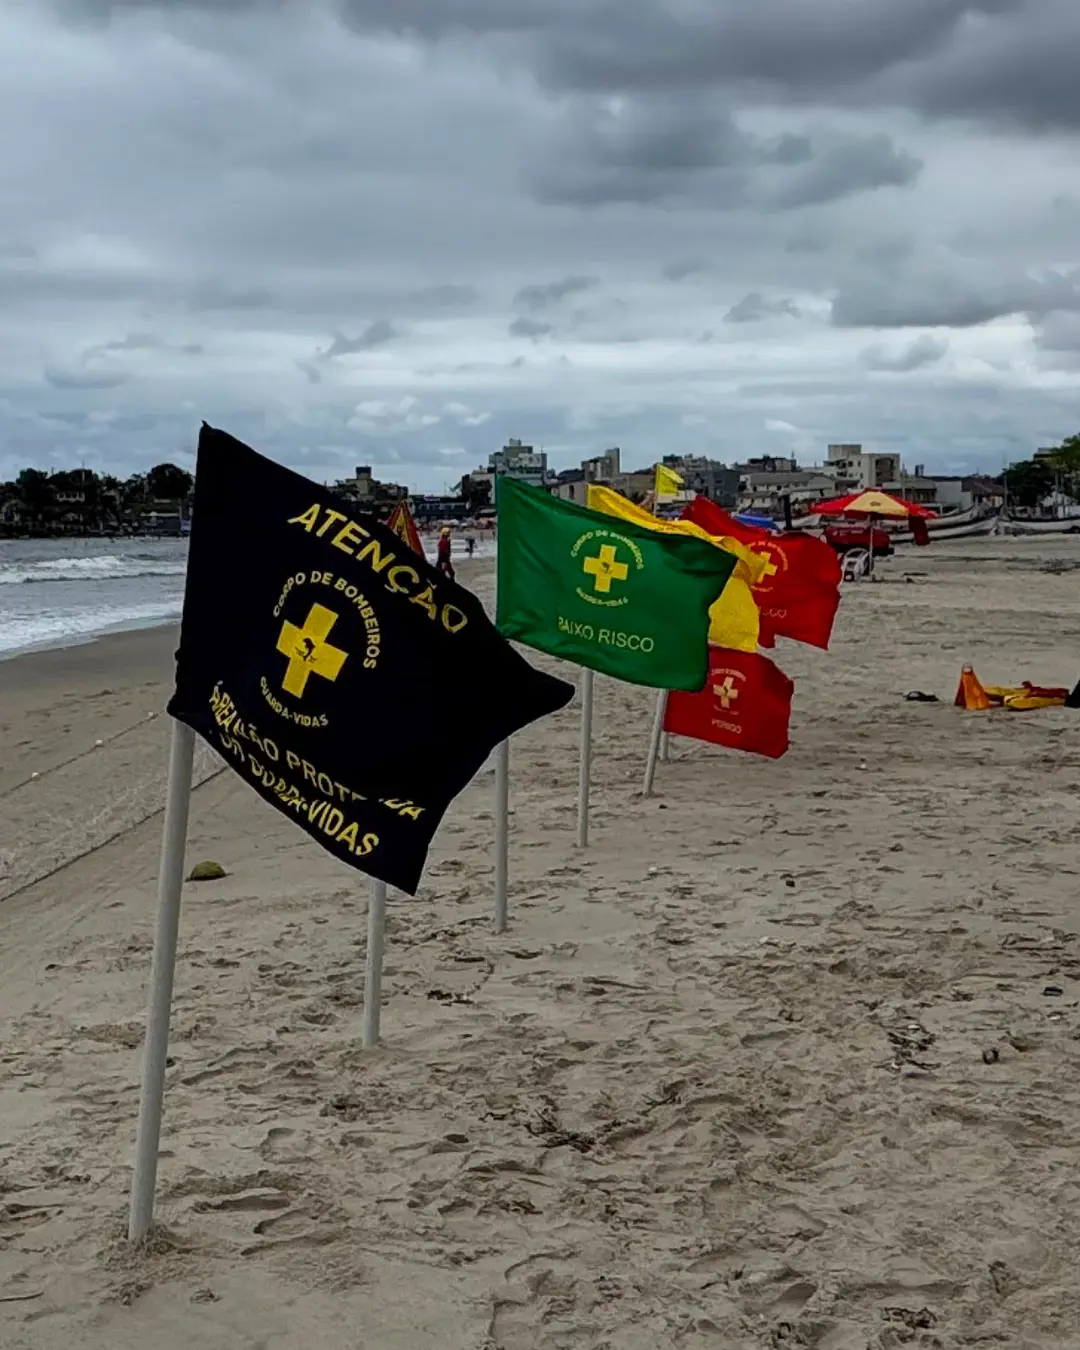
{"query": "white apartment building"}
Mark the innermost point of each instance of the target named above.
(855, 469)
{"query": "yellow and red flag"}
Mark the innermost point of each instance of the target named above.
(799, 591)
(401, 522)
(733, 620)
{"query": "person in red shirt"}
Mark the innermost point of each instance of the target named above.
(442, 562)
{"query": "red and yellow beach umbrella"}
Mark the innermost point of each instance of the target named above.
(871, 502)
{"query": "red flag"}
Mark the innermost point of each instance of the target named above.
(800, 592)
(746, 704)
(401, 522)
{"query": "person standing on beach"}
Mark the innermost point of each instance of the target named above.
(442, 562)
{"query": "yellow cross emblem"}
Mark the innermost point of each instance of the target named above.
(309, 652)
(770, 569)
(604, 569)
(726, 692)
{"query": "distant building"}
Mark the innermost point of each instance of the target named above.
(855, 470)
(522, 462)
(916, 487)
(768, 464)
(698, 474)
(706, 476)
(431, 509)
(366, 490)
(635, 485)
(603, 468)
(571, 485)
(962, 493)
(765, 490)
(477, 489)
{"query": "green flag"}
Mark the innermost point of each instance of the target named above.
(603, 592)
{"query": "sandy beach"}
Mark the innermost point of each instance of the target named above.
(789, 1057)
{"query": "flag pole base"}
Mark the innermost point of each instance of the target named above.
(162, 971)
(585, 765)
(373, 973)
(655, 742)
(502, 834)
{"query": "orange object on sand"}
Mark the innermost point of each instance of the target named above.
(974, 696)
(971, 695)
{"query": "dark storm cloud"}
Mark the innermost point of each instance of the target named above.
(950, 301)
(83, 379)
(689, 148)
(251, 176)
(69, 419)
(649, 149)
(26, 285)
(679, 271)
(208, 296)
(926, 350)
(530, 328)
(754, 307)
(843, 169)
(1000, 59)
(376, 334)
(600, 44)
(134, 342)
(1059, 332)
(544, 295)
(140, 342)
(446, 296)
(1020, 70)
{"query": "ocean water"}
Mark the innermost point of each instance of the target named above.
(57, 591)
(54, 592)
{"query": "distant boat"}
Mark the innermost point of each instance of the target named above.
(965, 529)
(1062, 525)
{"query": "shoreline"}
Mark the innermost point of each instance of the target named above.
(87, 639)
(465, 569)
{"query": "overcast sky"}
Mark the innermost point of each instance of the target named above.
(399, 231)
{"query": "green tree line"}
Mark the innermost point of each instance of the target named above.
(80, 499)
(1031, 481)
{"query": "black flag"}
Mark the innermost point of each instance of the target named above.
(350, 684)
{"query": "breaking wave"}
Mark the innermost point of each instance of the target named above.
(102, 567)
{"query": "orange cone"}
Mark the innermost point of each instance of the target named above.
(971, 695)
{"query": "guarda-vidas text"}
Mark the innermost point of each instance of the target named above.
(318, 794)
(399, 577)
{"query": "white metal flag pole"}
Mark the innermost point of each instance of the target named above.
(665, 744)
(585, 768)
(870, 562)
(502, 832)
(162, 970)
(654, 742)
(376, 942)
